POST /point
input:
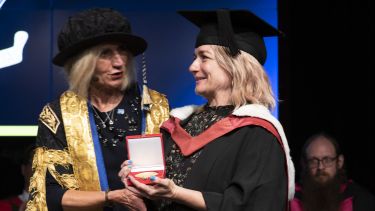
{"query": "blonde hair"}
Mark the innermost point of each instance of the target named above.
(80, 71)
(250, 83)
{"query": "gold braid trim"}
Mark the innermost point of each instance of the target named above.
(75, 117)
(158, 113)
(47, 159)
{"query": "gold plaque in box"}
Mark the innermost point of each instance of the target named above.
(146, 175)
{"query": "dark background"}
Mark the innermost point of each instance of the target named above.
(326, 78)
(169, 52)
(326, 64)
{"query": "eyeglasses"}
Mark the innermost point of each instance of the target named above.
(326, 162)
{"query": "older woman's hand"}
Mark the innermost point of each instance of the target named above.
(127, 198)
(159, 189)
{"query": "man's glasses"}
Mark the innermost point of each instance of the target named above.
(326, 162)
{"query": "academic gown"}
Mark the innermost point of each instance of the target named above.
(244, 169)
(66, 158)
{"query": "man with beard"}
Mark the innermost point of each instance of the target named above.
(324, 184)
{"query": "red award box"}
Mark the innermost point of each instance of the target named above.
(147, 155)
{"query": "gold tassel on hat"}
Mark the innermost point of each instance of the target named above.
(146, 98)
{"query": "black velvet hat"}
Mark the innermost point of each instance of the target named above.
(92, 27)
(234, 29)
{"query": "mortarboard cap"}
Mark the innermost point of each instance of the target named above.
(234, 29)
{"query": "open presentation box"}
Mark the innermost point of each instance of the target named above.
(147, 155)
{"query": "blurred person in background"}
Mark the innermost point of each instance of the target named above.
(324, 185)
(19, 202)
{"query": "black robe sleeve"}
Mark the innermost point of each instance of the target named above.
(48, 139)
(259, 180)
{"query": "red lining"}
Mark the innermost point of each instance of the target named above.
(188, 144)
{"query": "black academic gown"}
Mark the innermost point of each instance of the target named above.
(112, 157)
(241, 170)
(56, 168)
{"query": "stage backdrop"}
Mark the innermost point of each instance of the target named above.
(28, 31)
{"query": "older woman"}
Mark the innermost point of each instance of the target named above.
(80, 142)
(231, 153)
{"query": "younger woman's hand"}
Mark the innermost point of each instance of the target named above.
(158, 189)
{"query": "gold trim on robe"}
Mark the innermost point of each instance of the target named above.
(46, 160)
(158, 111)
(75, 116)
(80, 155)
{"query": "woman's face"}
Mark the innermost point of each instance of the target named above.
(111, 67)
(211, 81)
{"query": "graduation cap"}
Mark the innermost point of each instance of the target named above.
(235, 29)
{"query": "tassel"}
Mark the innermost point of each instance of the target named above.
(146, 99)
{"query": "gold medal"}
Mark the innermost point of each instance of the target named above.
(146, 175)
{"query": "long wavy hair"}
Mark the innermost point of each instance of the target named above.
(250, 83)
